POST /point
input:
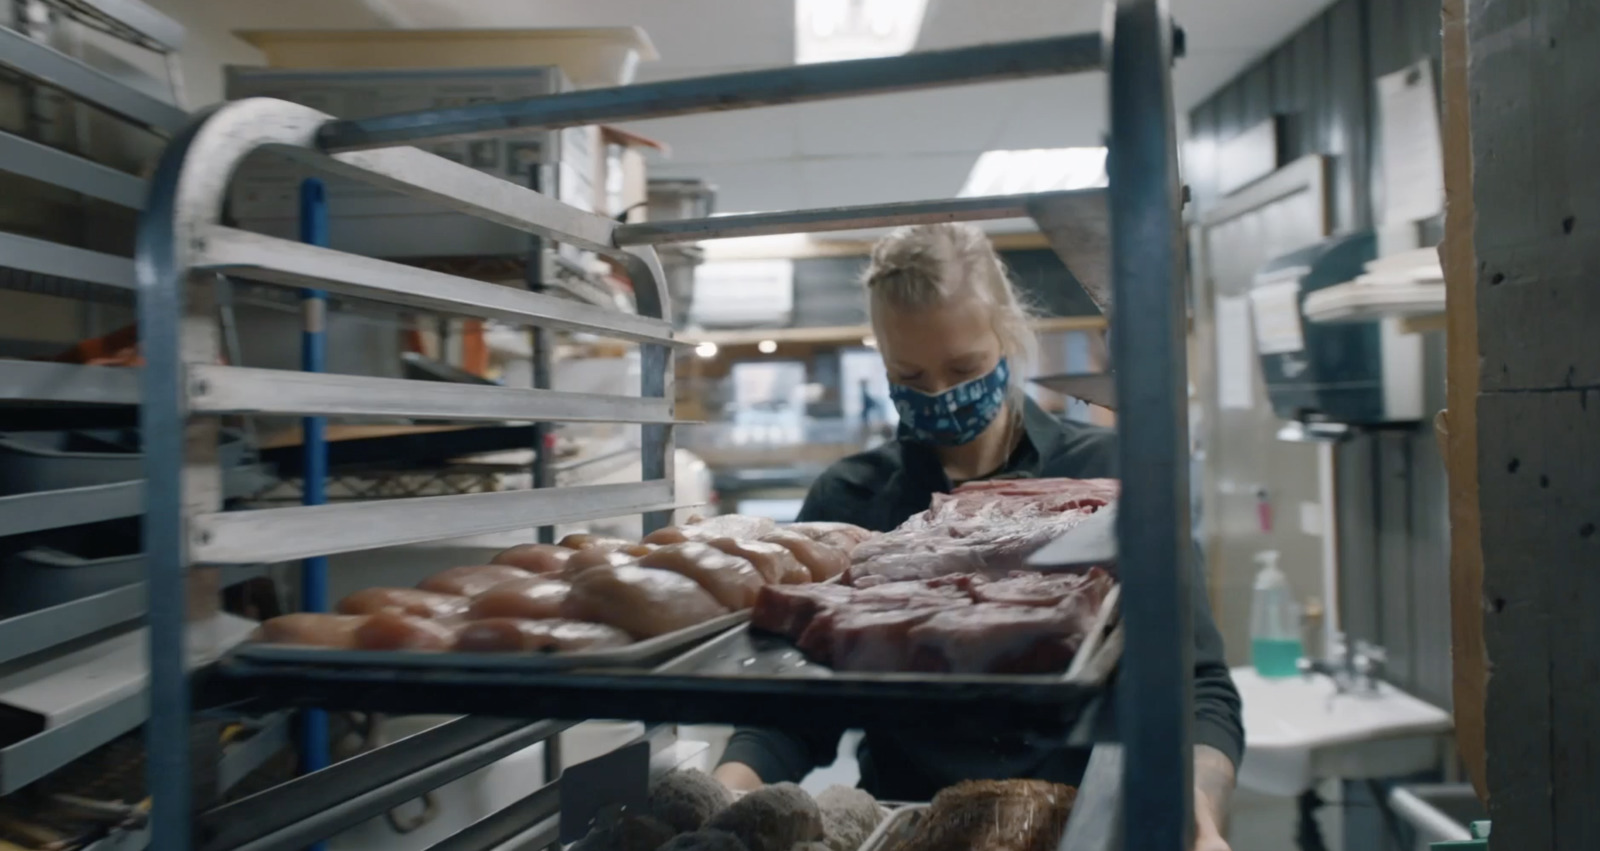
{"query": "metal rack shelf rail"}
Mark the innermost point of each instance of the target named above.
(182, 242)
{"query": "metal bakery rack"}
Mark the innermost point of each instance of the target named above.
(183, 244)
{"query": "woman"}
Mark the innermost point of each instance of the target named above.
(956, 341)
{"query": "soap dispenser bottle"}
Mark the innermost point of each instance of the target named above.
(1275, 646)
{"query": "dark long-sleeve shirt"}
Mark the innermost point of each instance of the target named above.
(879, 490)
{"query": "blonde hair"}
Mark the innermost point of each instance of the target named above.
(929, 265)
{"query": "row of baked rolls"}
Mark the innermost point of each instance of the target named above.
(586, 593)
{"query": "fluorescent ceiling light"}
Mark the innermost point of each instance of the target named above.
(833, 30)
(1036, 170)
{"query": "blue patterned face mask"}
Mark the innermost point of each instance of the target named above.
(956, 416)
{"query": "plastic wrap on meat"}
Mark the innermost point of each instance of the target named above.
(1034, 589)
(733, 581)
(775, 563)
(994, 815)
(472, 580)
(822, 561)
(788, 610)
(991, 638)
(844, 536)
(641, 601)
(985, 527)
(311, 629)
(535, 558)
(404, 601)
(874, 641)
(736, 526)
(518, 635)
(390, 631)
(536, 598)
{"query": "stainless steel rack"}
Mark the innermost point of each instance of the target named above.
(182, 242)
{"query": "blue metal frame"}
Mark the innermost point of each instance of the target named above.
(1154, 699)
(314, 745)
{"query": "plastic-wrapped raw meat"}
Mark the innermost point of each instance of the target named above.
(472, 580)
(736, 526)
(842, 536)
(389, 631)
(309, 629)
(584, 560)
(535, 598)
(583, 541)
(641, 601)
(733, 581)
(984, 527)
(991, 638)
(788, 610)
(1035, 589)
(535, 558)
(516, 635)
(823, 562)
(405, 601)
(774, 562)
(868, 640)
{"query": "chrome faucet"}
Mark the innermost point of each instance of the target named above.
(1353, 667)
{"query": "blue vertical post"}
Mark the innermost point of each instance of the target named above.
(313, 354)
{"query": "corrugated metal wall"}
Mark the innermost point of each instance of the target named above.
(1394, 536)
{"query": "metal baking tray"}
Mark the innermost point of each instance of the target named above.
(740, 678)
(640, 654)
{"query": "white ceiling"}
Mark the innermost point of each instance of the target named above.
(885, 148)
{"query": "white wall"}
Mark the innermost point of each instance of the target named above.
(211, 23)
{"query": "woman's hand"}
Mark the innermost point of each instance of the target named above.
(737, 776)
(1213, 784)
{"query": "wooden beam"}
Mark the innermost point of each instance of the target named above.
(1457, 426)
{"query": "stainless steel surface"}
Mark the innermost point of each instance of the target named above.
(59, 168)
(496, 829)
(1079, 231)
(1095, 824)
(1155, 700)
(87, 696)
(35, 381)
(241, 759)
(295, 264)
(740, 90)
(36, 60)
(281, 534)
(1093, 543)
(850, 218)
(242, 390)
(640, 654)
(38, 631)
(43, 257)
(33, 512)
(895, 828)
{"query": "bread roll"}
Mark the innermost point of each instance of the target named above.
(309, 629)
(774, 562)
(535, 558)
(389, 631)
(472, 580)
(824, 562)
(733, 581)
(517, 635)
(641, 601)
(403, 601)
(538, 597)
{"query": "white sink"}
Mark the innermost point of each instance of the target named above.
(1299, 730)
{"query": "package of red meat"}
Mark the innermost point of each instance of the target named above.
(987, 528)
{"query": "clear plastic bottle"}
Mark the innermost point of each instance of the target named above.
(1275, 646)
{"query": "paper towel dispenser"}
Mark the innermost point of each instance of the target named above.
(1361, 373)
